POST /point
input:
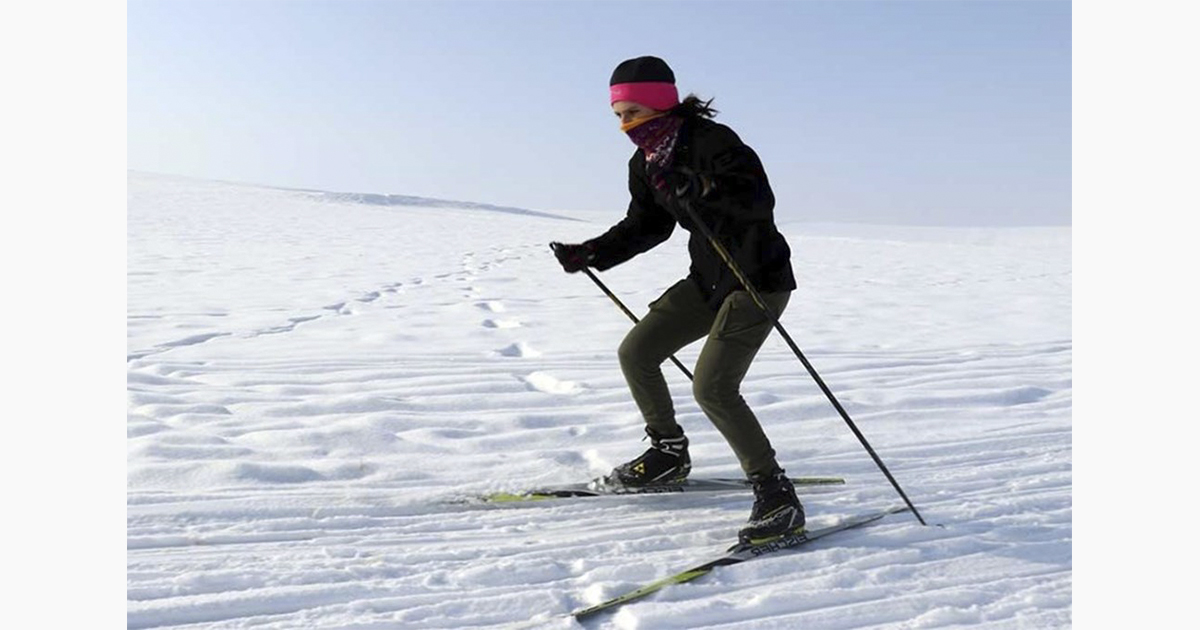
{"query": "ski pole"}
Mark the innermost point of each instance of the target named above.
(621, 306)
(766, 309)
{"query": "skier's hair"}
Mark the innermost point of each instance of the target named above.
(694, 107)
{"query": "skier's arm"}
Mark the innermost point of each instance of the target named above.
(737, 183)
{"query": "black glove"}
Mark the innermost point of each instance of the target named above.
(684, 183)
(574, 258)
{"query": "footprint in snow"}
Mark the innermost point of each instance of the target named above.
(193, 340)
(501, 323)
(518, 350)
(178, 343)
(543, 382)
(491, 306)
(293, 322)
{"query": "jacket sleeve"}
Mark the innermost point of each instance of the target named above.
(646, 224)
(741, 192)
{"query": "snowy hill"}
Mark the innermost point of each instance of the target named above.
(312, 377)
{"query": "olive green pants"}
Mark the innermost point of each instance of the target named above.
(734, 335)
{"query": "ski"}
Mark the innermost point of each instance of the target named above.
(593, 489)
(737, 553)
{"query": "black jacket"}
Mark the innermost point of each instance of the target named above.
(739, 210)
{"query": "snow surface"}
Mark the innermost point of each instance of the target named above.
(313, 378)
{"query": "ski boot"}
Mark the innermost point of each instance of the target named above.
(777, 512)
(666, 462)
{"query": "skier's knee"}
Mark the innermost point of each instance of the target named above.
(711, 393)
(630, 354)
(635, 354)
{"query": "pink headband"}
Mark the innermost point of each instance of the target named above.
(653, 94)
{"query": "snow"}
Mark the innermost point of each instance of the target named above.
(314, 378)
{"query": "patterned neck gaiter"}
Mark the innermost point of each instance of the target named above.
(656, 135)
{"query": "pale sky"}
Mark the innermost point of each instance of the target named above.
(900, 112)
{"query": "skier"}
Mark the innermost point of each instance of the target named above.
(685, 158)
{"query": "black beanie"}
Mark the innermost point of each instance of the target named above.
(642, 69)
